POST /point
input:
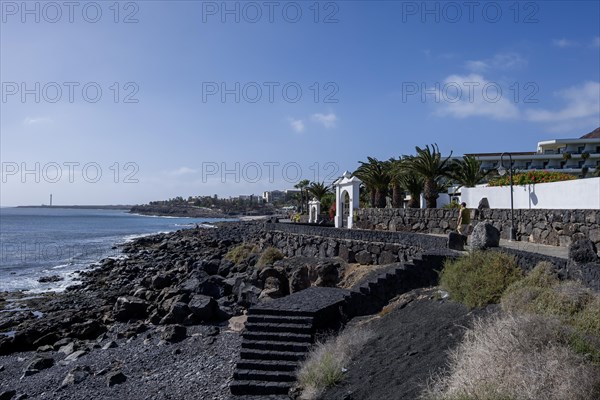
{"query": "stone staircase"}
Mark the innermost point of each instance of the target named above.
(279, 333)
(278, 336)
(378, 288)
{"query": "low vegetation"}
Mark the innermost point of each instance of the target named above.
(517, 357)
(269, 256)
(544, 345)
(480, 278)
(240, 253)
(326, 363)
(532, 177)
(574, 305)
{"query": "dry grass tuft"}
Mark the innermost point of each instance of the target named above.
(269, 256)
(240, 253)
(541, 292)
(324, 365)
(517, 357)
(354, 273)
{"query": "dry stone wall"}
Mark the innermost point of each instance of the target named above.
(551, 227)
(362, 246)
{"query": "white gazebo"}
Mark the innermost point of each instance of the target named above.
(347, 190)
(314, 209)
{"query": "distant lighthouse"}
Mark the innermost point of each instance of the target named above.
(51, 200)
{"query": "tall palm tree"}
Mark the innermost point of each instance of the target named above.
(376, 177)
(397, 189)
(429, 164)
(302, 185)
(467, 172)
(318, 190)
(414, 186)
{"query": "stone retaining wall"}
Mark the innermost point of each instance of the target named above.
(552, 227)
(386, 247)
(363, 246)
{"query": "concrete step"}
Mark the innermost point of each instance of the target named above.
(280, 319)
(268, 365)
(278, 336)
(275, 345)
(255, 354)
(259, 387)
(291, 328)
(283, 312)
(262, 375)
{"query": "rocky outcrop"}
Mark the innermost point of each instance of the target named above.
(177, 211)
(484, 236)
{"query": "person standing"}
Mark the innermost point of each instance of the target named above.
(464, 219)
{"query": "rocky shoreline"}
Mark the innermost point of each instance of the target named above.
(151, 324)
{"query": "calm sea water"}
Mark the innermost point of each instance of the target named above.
(38, 242)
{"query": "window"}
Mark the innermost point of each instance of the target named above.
(548, 151)
(528, 165)
(580, 149)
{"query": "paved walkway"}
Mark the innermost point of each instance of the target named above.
(553, 251)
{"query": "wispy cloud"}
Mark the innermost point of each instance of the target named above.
(596, 42)
(582, 102)
(327, 120)
(183, 171)
(473, 96)
(36, 121)
(562, 43)
(500, 61)
(297, 125)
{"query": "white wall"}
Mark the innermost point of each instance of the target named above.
(566, 195)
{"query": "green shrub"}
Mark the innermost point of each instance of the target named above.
(588, 319)
(586, 347)
(240, 253)
(479, 278)
(269, 256)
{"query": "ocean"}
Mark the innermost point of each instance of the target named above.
(39, 242)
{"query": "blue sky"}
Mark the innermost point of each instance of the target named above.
(202, 98)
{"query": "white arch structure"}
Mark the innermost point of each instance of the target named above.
(350, 185)
(314, 209)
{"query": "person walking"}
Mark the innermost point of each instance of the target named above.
(464, 219)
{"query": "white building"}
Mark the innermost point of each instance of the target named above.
(551, 155)
(279, 195)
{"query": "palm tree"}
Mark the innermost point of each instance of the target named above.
(414, 186)
(397, 190)
(467, 172)
(318, 190)
(376, 177)
(429, 164)
(301, 185)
